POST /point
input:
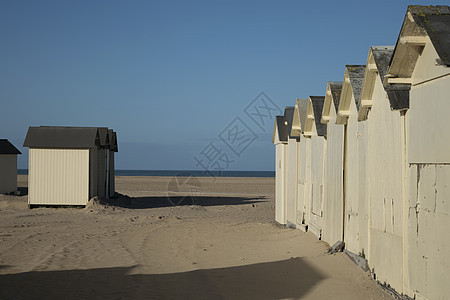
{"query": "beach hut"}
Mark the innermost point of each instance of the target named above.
(291, 169)
(298, 125)
(355, 149)
(385, 185)
(280, 140)
(421, 59)
(70, 165)
(334, 180)
(315, 133)
(8, 167)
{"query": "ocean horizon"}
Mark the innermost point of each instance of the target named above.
(187, 173)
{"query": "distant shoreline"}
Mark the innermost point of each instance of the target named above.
(185, 173)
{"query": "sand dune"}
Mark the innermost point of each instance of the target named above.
(218, 242)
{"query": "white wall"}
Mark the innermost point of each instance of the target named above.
(318, 150)
(58, 177)
(333, 196)
(8, 173)
(428, 239)
(280, 169)
(291, 181)
(302, 159)
(385, 184)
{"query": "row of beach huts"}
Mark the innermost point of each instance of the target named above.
(67, 165)
(368, 164)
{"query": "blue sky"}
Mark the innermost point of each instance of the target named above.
(170, 76)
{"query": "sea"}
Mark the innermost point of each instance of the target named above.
(195, 173)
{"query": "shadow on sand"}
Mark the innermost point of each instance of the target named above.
(154, 202)
(291, 278)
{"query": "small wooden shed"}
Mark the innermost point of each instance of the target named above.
(298, 125)
(315, 133)
(385, 184)
(421, 60)
(8, 167)
(334, 180)
(70, 165)
(355, 149)
(280, 139)
(291, 169)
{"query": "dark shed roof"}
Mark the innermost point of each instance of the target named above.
(436, 22)
(382, 56)
(282, 128)
(398, 95)
(317, 103)
(336, 89)
(7, 148)
(67, 137)
(356, 76)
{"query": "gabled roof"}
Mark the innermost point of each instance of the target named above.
(298, 123)
(356, 76)
(332, 97)
(436, 22)
(352, 85)
(68, 137)
(377, 68)
(7, 148)
(420, 23)
(280, 131)
(314, 115)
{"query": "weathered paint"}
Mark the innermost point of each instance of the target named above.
(58, 176)
(8, 173)
(428, 223)
(428, 167)
(384, 185)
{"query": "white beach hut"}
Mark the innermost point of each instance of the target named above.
(291, 169)
(385, 185)
(334, 177)
(298, 125)
(280, 140)
(355, 149)
(8, 167)
(315, 132)
(421, 59)
(69, 165)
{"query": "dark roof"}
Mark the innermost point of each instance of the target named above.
(7, 148)
(317, 104)
(282, 128)
(336, 89)
(356, 76)
(289, 117)
(68, 137)
(398, 95)
(436, 22)
(382, 56)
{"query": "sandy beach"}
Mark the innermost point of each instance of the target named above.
(170, 238)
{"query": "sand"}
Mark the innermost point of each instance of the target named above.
(221, 244)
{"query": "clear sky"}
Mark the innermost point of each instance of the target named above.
(170, 76)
